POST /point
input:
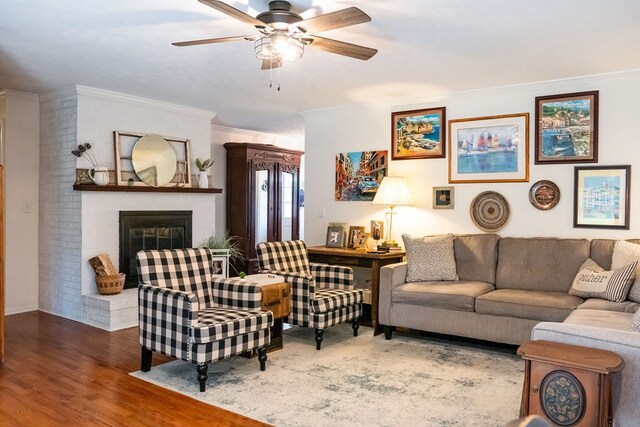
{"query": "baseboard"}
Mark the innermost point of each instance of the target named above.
(17, 310)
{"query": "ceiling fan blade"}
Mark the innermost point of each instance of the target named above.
(341, 48)
(267, 64)
(233, 12)
(329, 21)
(211, 41)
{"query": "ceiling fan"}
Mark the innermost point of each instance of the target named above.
(284, 34)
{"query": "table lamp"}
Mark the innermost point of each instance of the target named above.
(393, 192)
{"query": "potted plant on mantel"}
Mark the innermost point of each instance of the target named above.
(203, 179)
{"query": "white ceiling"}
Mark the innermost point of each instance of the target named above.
(426, 48)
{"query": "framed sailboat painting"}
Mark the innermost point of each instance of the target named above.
(489, 149)
(567, 128)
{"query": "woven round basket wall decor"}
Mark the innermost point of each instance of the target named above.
(490, 211)
(110, 285)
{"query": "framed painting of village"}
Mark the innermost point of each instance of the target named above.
(601, 197)
(418, 134)
(359, 174)
(567, 128)
(489, 149)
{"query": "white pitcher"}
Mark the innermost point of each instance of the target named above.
(99, 175)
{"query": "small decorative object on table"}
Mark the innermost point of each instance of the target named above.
(108, 280)
(203, 179)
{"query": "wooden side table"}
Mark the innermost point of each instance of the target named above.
(353, 258)
(568, 384)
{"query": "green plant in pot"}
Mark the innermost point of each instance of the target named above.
(203, 165)
(231, 243)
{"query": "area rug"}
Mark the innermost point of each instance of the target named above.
(361, 381)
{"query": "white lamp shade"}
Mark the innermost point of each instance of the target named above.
(393, 191)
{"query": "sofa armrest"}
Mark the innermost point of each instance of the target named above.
(626, 383)
(332, 276)
(236, 293)
(165, 318)
(391, 276)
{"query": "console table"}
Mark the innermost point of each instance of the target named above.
(353, 258)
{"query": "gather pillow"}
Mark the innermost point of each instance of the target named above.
(592, 281)
(430, 258)
(635, 325)
(624, 253)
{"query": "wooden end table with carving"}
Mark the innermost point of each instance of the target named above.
(567, 384)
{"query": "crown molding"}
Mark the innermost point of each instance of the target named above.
(28, 95)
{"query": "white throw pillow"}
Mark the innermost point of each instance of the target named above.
(635, 325)
(430, 258)
(625, 253)
(593, 282)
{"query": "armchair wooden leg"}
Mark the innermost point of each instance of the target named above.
(202, 375)
(319, 335)
(145, 359)
(388, 332)
(262, 357)
(355, 326)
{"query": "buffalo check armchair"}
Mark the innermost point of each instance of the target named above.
(321, 295)
(186, 313)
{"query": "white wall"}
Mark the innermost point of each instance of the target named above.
(361, 128)
(21, 116)
(221, 135)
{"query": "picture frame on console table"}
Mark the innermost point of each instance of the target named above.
(489, 149)
(567, 128)
(355, 231)
(419, 134)
(602, 197)
(335, 237)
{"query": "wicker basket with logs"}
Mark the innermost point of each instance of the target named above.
(108, 280)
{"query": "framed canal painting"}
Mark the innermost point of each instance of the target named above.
(418, 134)
(359, 174)
(567, 128)
(489, 149)
(601, 197)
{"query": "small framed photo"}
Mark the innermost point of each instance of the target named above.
(489, 149)
(567, 128)
(418, 134)
(335, 237)
(601, 197)
(361, 241)
(377, 230)
(220, 262)
(443, 197)
(354, 236)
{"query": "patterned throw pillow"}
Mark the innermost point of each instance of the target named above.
(635, 325)
(430, 258)
(625, 253)
(593, 282)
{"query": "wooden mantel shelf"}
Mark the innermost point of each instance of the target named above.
(145, 189)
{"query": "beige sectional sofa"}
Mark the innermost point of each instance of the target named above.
(510, 287)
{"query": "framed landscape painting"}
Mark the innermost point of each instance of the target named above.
(489, 149)
(418, 134)
(567, 128)
(601, 197)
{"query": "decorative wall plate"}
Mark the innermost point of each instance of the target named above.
(544, 195)
(490, 211)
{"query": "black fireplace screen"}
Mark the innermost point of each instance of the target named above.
(143, 230)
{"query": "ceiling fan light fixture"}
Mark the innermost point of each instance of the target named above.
(278, 46)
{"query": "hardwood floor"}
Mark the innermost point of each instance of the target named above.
(61, 372)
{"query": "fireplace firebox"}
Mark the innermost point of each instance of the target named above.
(144, 230)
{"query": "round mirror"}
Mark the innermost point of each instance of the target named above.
(154, 160)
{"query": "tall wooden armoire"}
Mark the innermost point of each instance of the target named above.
(1, 265)
(263, 184)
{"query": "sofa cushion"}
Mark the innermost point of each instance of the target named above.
(600, 319)
(592, 281)
(635, 325)
(624, 253)
(476, 256)
(535, 305)
(430, 258)
(603, 304)
(453, 296)
(539, 264)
